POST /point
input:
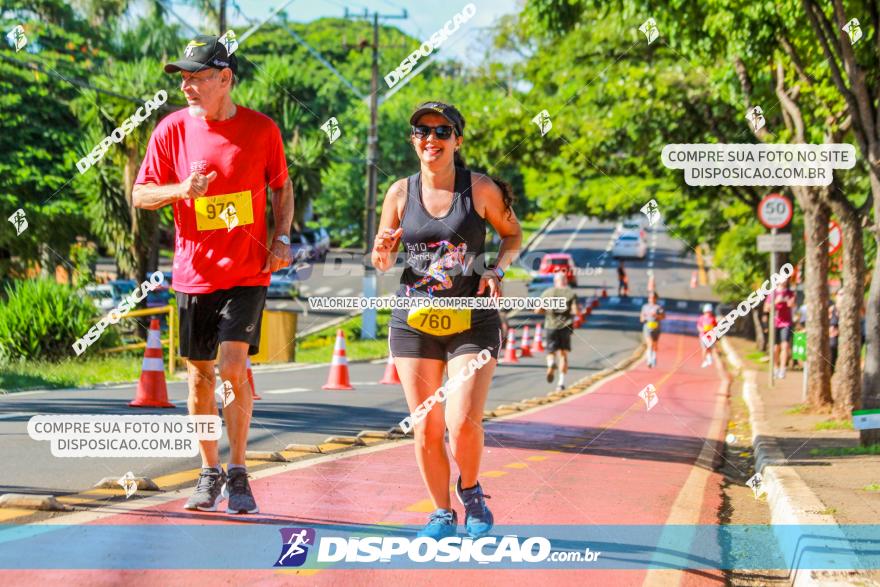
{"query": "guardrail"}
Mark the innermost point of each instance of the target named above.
(141, 345)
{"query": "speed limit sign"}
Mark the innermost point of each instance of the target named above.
(775, 211)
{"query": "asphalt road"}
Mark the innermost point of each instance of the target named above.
(295, 409)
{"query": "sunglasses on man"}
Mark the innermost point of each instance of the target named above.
(443, 132)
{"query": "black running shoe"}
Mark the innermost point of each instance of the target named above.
(241, 500)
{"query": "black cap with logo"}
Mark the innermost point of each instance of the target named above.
(203, 52)
(450, 113)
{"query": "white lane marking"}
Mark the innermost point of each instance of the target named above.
(322, 290)
(356, 383)
(575, 233)
(15, 415)
(286, 390)
(281, 306)
(650, 263)
(537, 243)
(681, 304)
(345, 292)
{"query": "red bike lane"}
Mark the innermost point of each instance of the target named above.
(596, 458)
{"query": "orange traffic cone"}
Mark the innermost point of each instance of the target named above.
(579, 318)
(250, 375)
(151, 390)
(338, 377)
(604, 293)
(510, 351)
(390, 377)
(693, 280)
(538, 343)
(595, 303)
(524, 349)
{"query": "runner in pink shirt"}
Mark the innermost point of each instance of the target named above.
(705, 323)
(783, 300)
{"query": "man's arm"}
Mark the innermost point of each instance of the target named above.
(151, 196)
(282, 212)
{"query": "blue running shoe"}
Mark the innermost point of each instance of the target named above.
(441, 524)
(478, 520)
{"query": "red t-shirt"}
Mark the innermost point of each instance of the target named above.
(247, 153)
(783, 311)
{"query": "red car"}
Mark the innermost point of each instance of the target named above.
(553, 262)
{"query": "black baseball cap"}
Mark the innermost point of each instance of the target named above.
(204, 52)
(450, 113)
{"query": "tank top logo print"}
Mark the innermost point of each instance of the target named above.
(446, 260)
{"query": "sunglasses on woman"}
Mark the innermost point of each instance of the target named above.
(442, 132)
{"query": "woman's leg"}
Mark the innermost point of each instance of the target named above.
(464, 416)
(420, 379)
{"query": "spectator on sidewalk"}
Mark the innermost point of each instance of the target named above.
(622, 281)
(783, 300)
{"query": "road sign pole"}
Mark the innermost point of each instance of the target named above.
(771, 326)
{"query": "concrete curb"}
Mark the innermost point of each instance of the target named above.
(791, 500)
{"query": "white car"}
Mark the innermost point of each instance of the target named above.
(630, 244)
(630, 225)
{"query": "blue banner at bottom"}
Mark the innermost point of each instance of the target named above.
(263, 546)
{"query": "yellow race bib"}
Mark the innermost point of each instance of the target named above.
(439, 321)
(225, 211)
(653, 324)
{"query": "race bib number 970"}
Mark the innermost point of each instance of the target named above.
(225, 211)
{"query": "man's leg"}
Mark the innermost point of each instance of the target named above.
(233, 368)
(563, 367)
(200, 377)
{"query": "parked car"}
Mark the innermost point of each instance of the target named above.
(161, 295)
(102, 296)
(554, 262)
(300, 247)
(630, 225)
(319, 239)
(630, 244)
(122, 288)
(538, 284)
(282, 284)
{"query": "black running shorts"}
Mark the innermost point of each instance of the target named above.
(557, 339)
(206, 320)
(404, 342)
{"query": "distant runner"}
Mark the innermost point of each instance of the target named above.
(784, 301)
(558, 328)
(622, 280)
(440, 216)
(212, 164)
(705, 323)
(651, 315)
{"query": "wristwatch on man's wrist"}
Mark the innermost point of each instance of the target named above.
(284, 239)
(497, 271)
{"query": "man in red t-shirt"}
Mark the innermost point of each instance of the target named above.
(705, 323)
(212, 163)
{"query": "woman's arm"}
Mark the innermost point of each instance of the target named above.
(387, 239)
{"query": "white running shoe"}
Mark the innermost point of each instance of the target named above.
(706, 362)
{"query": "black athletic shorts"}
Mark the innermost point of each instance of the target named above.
(557, 339)
(208, 319)
(783, 334)
(403, 342)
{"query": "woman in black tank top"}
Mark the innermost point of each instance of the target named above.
(440, 216)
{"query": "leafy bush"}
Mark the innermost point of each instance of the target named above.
(41, 319)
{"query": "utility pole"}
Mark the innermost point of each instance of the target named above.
(370, 286)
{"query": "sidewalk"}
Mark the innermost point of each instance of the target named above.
(802, 456)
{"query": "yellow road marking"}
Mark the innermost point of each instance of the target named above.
(493, 474)
(331, 446)
(12, 513)
(177, 478)
(701, 269)
(516, 465)
(425, 506)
